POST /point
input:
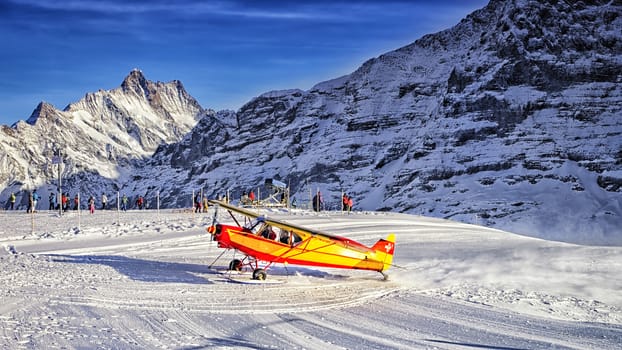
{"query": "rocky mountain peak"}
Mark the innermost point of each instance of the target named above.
(135, 82)
(42, 111)
(102, 135)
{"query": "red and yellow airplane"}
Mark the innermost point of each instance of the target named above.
(271, 241)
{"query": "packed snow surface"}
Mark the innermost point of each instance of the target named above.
(142, 280)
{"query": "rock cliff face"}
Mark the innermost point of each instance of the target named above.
(511, 118)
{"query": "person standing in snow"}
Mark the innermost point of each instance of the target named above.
(197, 203)
(223, 198)
(244, 199)
(344, 202)
(139, 202)
(12, 200)
(29, 208)
(92, 204)
(65, 201)
(35, 199)
(205, 204)
(124, 201)
(52, 201)
(318, 203)
(76, 202)
(104, 201)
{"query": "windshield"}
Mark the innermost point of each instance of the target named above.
(255, 225)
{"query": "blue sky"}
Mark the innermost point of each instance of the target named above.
(224, 52)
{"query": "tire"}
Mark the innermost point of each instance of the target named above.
(235, 265)
(259, 274)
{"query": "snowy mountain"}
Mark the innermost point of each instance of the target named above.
(508, 119)
(99, 137)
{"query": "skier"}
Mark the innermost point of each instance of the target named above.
(104, 201)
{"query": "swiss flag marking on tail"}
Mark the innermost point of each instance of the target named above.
(384, 246)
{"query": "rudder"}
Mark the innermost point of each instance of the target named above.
(385, 248)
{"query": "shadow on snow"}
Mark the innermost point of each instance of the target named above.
(144, 270)
(174, 272)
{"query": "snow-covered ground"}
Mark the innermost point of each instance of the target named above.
(141, 280)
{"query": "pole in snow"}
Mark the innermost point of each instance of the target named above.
(79, 212)
(58, 160)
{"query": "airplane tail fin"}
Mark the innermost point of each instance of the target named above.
(384, 249)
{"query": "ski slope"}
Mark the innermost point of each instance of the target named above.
(141, 279)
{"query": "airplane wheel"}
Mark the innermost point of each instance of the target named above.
(259, 274)
(235, 265)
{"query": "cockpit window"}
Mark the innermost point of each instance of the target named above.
(255, 225)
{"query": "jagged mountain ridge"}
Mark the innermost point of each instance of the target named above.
(503, 119)
(508, 119)
(100, 137)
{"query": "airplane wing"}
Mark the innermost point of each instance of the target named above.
(239, 210)
(280, 224)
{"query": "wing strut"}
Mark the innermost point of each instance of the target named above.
(234, 219)
(218, 257)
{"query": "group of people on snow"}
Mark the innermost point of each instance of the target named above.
(65, 202)
(200, 202)
(347, 203)
(248, 199)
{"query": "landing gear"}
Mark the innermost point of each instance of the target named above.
(235, 265)
(259, 274)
